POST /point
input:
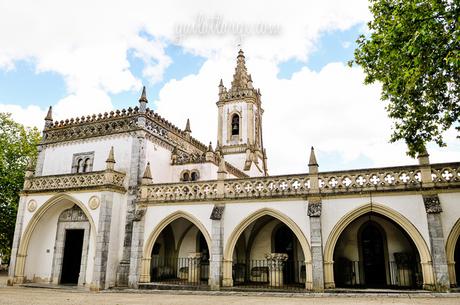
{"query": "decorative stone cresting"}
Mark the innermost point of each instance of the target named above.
(432, 204)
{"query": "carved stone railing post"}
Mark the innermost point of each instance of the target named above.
(438, 252)
(194, 267)
(275, 262)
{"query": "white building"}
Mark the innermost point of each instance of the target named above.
(126, 198)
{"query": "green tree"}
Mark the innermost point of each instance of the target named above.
(19, 145)
(413, 50)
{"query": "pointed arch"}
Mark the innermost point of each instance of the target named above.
(38, 215)
(233, 238)
(451, 242)
(146, 256)
(403, 222)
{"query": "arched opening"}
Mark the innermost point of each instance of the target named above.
(43, 238)
(79, 166)
(185, 176)
(267, 254)
(86, 165)
(457, 262)
(235, 125)
(180, 254)
(375, 252)
(194, 176)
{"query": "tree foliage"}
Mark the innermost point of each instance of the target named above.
(19, 145)
(413, 50)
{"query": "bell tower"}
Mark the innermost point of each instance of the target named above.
(240, 122)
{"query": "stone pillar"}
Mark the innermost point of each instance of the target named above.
(194, 267)
(216, 251)
(102, 242)
(438, 250)
(13, 276)
(314, 212)
(137, 249)
(137, 164)
(275, 262)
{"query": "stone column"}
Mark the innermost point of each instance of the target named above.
(137, 249)
(13, 277)
(275, 262)
(314, 212)
(102, 242)
(438, 250)
(194, 267)
(216, 251)
(137, 163)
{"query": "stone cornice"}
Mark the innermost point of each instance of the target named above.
(331, 184)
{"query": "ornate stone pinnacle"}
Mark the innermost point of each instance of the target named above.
(49, 115)
(143, 97)
(221, 84)
(147, 177)
(241, 77)
(187, 126)
(110, 159)
(210, 147)
(312, 161)
(222, 166)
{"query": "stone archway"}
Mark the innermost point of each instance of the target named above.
(234, 236)
(19, 268)
(146, 257)
(404, 223)
(451, 245)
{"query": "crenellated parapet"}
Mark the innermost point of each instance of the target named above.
(337, 183)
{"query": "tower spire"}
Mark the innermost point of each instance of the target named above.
(49, 117)
(241, 77)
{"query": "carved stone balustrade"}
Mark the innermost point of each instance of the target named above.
(107, 179)
(387, 179)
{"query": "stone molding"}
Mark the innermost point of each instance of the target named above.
(432, 204)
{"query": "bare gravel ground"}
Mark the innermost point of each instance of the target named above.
(36, 296)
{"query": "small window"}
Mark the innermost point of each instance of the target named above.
(194, 176)
(82, 162)
(185, 176)
(235, 125)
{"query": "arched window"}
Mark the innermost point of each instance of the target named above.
(86, 165)
(235, 125)
(185, 176)
(79, 166)
(194, 176)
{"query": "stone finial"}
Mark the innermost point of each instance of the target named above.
(30, 169)
(312, 161)
(210, 147)
(221, 86)
(110, 162)
(49, 117)
(147, 177)
(187, 127)
(143, 100)
(423, 157)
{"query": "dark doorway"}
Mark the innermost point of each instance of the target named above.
(284, 243)
(372, 245)
(457, 261)
(72, 256)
